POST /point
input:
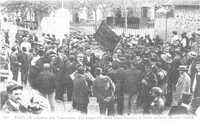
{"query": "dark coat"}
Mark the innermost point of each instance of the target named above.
(173, 74)
(3, 98)
(33, 73)
(144, 98)
(193, 70)
(117, 77)
(151, 79)
(69, 68)
(99, 88)
(80, 90)
(45, 82)
(132, 78)
(14, 63)
(36, 69)
(197, 88)
(57, 68)
(24, 60)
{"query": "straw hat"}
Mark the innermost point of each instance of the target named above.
(192, 54)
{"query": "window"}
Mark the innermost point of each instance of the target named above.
(144, 12)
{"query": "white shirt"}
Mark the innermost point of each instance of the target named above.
(185, 105)
(174, 39)
(198, 111)
(34, 60)
(183, 84)
(184, 42)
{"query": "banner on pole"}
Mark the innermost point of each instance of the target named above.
(106, 37)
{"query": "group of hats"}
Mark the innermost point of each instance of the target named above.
(167, 57)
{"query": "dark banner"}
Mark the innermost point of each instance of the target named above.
(106, 37)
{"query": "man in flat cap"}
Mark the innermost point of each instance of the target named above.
(14, 102)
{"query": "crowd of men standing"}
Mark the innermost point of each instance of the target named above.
(148, 77)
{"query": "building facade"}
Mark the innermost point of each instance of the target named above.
(186, 18)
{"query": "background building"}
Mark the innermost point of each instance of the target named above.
(186, 17)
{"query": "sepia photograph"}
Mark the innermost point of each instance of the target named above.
(99, 59)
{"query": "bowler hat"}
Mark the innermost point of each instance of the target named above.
(157, 90)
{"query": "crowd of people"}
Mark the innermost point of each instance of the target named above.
(141, 75)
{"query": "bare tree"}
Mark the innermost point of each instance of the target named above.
(40, 8)
(94, 5)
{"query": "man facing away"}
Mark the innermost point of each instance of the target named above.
(81, 91)
(104, 89)
(45, 84)
(24, 60)
(14, 63)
